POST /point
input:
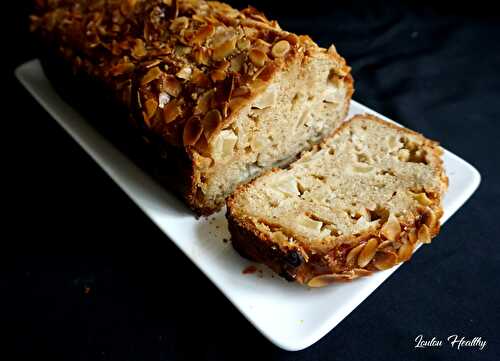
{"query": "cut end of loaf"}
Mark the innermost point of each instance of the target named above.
(299, 106)
(358, 202)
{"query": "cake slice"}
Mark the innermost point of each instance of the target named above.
(358, 202)
(219, 95)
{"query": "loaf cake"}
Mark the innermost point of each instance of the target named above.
(227, 93)
(358, 202)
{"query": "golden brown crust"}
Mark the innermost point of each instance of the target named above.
(355, 256)
(176, 65)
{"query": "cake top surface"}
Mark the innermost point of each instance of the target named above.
(181, 66)
(370, 176)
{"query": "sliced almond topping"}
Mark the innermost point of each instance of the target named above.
(204, 102)
(202, 56)
(243, 44)
(185, 73)
(218, 75)
(151, 105)
(241, 91)
(139, 49)
(122, 68)
(171, 111)
(332, 49)
(171, 85)
(325, 280)
(237, 103)
(257, 57)
(424, 235)
(225, 49)
(422, 199)
(384, 260)
(152, 74)
(192, 131)
(202, 147)
(237, 63)
(368, 252)
(179, 24)
(391, 229)
(384, 244)
(429, 218)
(199, 79)
(203, 34)
(212, 122)
(361, 272)
(353, 253)
(412, 236)
(405, 252)
(280, 49)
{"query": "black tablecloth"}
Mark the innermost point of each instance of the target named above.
(85, 275)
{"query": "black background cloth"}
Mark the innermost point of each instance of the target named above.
(86, 276)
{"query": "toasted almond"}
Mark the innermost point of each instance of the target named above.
(202, 34)
(200, 79)
(237, 103)
(151, 105)
(179, 24)
(385, 244)
(368, 252)
(192, 131)
(360, 272)
(171, 111)
(265, 73)
(218, 75)
(332, 49)
(257, 57)
(139, 49)
(127, 6)
(211, 122)
(384, 260)
(237, 63)
(243, 44)
(280, 49)
(429, 218)
(241, 91)
(202, 56)
(204, 102)
(391, 229)
(225, 49)
(185, 73)
(353, 253)
(172, 85)
(424, 235)
(202, 147)
(122, 68)
(292, 38)
(412, 236)
(405, 252)
(422, 199)
(327, 279)
(152, 74)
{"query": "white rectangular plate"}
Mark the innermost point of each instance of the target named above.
(291, 316)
